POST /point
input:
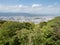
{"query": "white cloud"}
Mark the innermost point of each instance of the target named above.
(20, 6)
(36, 5)
(34, 8)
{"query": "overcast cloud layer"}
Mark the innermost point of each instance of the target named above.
(34, 8)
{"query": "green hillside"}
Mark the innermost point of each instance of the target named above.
(27, 33)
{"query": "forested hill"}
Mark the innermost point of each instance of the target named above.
(27, 33)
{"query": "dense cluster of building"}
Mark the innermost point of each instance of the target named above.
(35, 19)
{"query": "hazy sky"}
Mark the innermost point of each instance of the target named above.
(31, 6)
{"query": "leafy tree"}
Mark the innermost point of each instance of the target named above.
(17, 33)
(52, 32)
(2, 22)
(42, 24)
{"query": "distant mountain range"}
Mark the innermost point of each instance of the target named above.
(14, 14)
(25, 14)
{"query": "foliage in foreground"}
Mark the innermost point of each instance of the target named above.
(16, 33)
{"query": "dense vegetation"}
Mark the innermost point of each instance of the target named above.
(16, 33)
